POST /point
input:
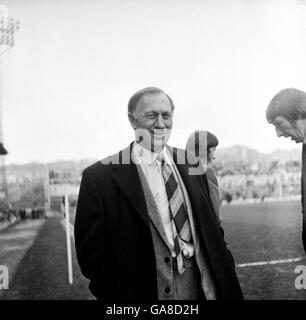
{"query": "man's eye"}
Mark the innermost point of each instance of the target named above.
(150, 116)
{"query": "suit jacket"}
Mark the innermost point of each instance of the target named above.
(303, 191)
(113, 238)
(213, 188)
(304, 235)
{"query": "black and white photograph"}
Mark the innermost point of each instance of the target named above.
(152, 152)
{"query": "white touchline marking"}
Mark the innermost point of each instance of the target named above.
(241, 265)
(262, 263)
(71, 228)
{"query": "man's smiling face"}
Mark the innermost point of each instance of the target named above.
(152, 120)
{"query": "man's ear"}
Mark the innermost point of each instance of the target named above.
(132, 120)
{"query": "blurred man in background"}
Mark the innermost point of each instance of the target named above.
(206, 153)
(287, 112)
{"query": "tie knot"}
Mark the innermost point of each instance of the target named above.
(160, 158)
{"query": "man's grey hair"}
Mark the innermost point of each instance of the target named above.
(141, 93)
(289, 103)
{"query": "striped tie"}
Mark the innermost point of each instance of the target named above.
(179, 218)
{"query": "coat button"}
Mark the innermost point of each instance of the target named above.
(167, 260)
(167, 290)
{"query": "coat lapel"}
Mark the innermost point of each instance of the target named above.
(200, 203)
(152, 208)
(127, 178)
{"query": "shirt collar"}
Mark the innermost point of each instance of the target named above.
(142, 155)
(204, 163)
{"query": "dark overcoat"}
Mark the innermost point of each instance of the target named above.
(113, 239)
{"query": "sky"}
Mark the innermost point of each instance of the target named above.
(66, 82)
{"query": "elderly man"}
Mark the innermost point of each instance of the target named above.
(145, 228)
(287, 112)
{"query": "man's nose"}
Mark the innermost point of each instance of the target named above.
(160, 122)
(279, 132)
